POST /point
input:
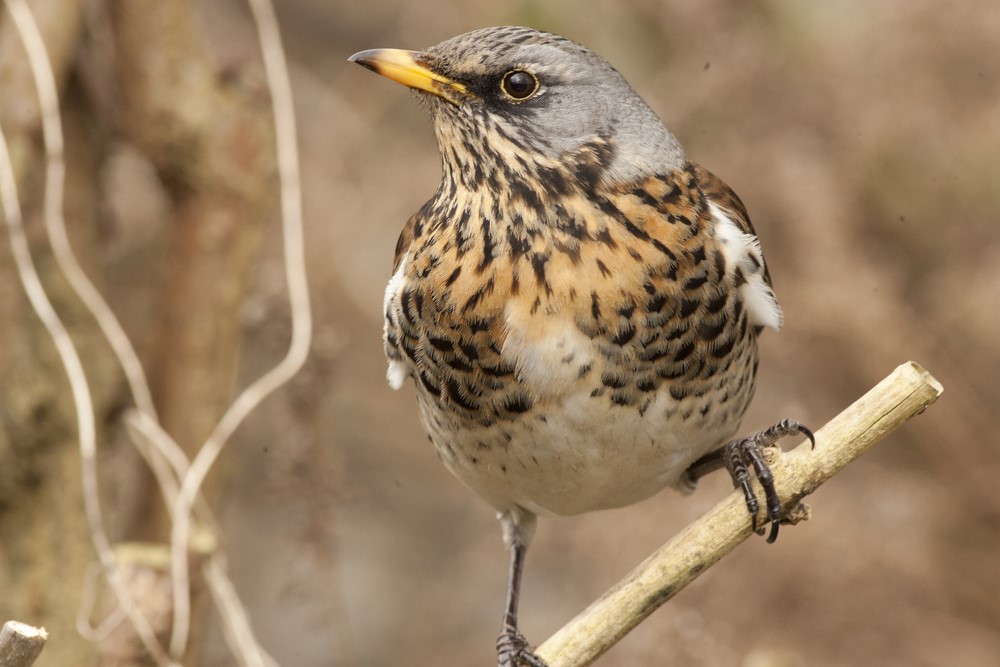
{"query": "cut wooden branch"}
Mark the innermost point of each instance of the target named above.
(906, 392)
(20, 644)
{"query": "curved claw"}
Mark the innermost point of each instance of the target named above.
(788, 426)
(809, 434)
(739, 455)
(774, 532)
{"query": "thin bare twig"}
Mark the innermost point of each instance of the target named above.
(906, 392)
(160, 452)
(236, 625)
(70, 359)
(291, 206)
(55, 223)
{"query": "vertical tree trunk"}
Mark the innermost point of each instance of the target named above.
(211, 140)
(45, 546)
(212, 143)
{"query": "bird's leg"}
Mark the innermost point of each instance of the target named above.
(737, 456)
(512, 647)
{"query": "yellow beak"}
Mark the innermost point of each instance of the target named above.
(405, 67)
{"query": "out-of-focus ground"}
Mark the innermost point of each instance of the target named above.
(865, 140)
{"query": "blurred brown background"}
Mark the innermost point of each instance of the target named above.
(864, 139)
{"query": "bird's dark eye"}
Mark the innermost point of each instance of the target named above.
(519, 85)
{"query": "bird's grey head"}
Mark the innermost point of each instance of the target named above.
(537, 90)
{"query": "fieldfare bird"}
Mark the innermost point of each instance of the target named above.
(578, 304)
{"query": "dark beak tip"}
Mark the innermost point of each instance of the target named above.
(363, 58)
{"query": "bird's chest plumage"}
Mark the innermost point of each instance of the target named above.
(579, 364)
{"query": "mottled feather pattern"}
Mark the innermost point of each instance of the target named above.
(496, 326)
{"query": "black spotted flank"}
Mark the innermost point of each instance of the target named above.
(458, 396)
(538, 262)
(645, 197)
(688, 306)
(573, 226)
(595, 306)
(722, 351)
(418, 301)
(684, 351)
(739, 279)
(591, 163)
(571, 250)
(677, 331)
(720, 264)
(406, 301)
(654, 353)
(613, 381)
(627, 311)
(717, 303)
(554, 181)
(698, 254)
(671, 372)
(519, 404)
(473, 300)
(519, 245)
(499, 370)
(621, 399)
(441, 344)
(488, 246)
(656, 303)
(709, 331)
(696, 282)
(674, 194)
(429, 384)
(604, 236)
(478, 324)
(624, 335)
(622, 219)
(519, 189)
(460, 365)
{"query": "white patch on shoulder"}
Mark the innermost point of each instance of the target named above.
(743, 250)
(397, 371)
(396, 375)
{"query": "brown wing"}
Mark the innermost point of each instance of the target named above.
(405, 239)
(720, 194)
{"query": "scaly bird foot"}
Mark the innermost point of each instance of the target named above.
(738, 456)
(513, 650)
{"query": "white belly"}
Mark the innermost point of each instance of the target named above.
(571, 458)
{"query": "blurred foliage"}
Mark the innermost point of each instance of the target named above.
(864, 139)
